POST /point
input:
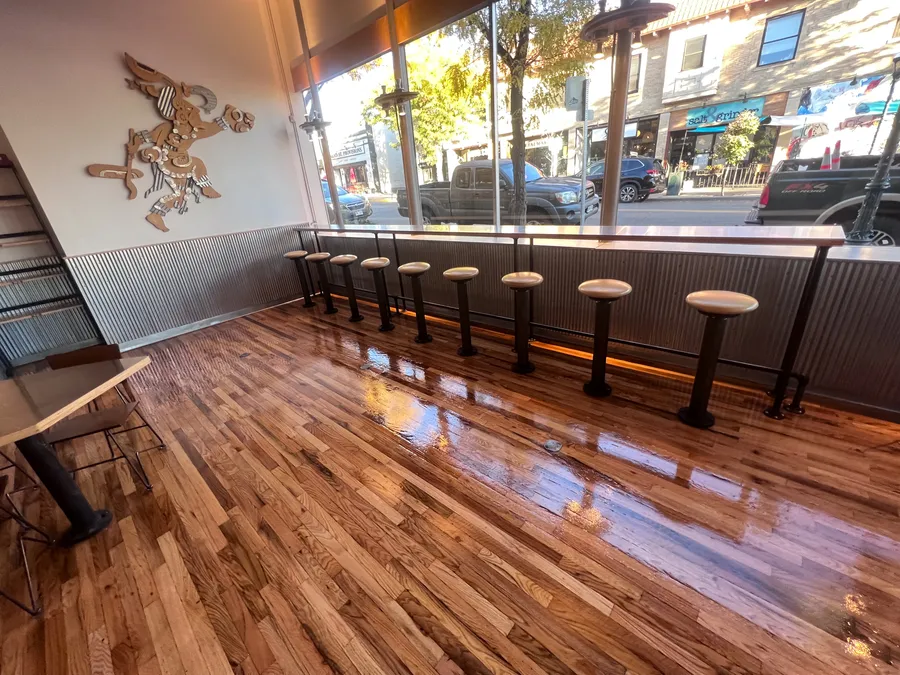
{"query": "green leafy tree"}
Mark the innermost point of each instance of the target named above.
(737, 141)
(537, 40)
(451, 95)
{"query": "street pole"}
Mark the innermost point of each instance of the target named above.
(405, 128)
(585, 87)
(894, 76)
(615, 138)
(863, 227)
(862, 232)
(495, 117)
(317, 112)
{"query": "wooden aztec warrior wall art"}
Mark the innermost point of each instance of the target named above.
(167, 147)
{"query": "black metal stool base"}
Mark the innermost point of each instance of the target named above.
(386, 327)
(471, 351)
(795, 409)
(72, 536)
(598, 389)
(423, 339)
(703, 420)
(774, 413)
(357, 318)
(333, 310)
(523, 368)
(307, 305)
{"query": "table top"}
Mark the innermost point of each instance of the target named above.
(768, 235)
(34, 403)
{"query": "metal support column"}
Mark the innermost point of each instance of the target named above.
(801, 318)
(495, 118)
(317, 110)
(407, 145)
(618, 104)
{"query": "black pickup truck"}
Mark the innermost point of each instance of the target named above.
(799, 191)
(468, 198)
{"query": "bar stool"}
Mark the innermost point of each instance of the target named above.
(319, 259)
(461, 276)
(344, 262)
(604, 292)
(521, 283)
(298, 257)
(377, 265)
(718, 306)
(414, 270)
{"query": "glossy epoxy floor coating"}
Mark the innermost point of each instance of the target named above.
(341, 500)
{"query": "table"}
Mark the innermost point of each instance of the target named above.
(32, 404)
(822, 237)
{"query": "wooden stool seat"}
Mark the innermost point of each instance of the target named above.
(722, 303)
(461, 273)
(604, 289)
(375, 263)
(414, 269)
(295, 255)
(318, 257)
(343, 260)
(522, 280)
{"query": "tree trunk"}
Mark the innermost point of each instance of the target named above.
(517, 206)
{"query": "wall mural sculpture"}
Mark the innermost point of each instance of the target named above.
(167, 147)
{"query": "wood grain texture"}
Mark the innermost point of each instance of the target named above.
(335, 500)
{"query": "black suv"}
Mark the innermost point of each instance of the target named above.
(641, 177)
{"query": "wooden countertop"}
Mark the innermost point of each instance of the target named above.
(33, 403)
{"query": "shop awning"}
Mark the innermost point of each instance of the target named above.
(344, 34)
(707, 130)
(794, 120)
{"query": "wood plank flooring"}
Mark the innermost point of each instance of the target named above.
(339, 500)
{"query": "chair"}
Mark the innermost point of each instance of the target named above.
(414, 270)
(319, 259)
(461, 276)
(377, 266)
(521, 283)
(298, 258)
(12, 512)
(344, 262)
(102, 420)
(718, 306)
(604, 292)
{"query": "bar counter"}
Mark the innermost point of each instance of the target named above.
(849, 349)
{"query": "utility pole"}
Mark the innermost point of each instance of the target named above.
(863, 230)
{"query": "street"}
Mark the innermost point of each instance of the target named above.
(657, 210)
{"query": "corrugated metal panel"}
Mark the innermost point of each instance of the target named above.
(850, 350)
(142, 292)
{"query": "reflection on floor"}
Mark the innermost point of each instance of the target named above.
(337, 499)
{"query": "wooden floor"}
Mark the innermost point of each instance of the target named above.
(335, 499)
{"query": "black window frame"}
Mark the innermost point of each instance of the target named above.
(456, 178)
(489, 185)
(702, 52)
(635, 73)
(762, 42)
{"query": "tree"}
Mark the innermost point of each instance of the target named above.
(538, 40)
(450, 96)
(737, 141)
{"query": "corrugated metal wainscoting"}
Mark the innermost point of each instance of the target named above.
(140, 295)
(850, 351)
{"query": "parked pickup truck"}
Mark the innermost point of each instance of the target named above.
(468, 197)
(798, 191)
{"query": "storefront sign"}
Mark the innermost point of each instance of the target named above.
(349, 155)
(844, 100)
(598, 135)
(723, 113)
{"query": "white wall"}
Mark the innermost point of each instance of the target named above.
(65, 104)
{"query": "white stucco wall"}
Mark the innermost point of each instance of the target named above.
(64, 105)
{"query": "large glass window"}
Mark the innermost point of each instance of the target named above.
(634, 76)
(780, 38)
(694, 48)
